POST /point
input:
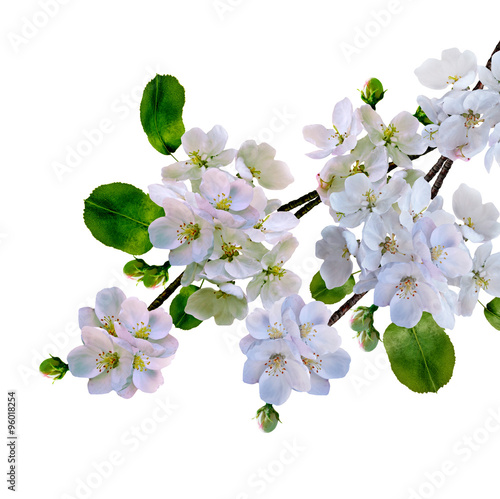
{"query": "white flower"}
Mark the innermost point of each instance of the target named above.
(227, 199)
(491, 79)
(275, 282)
(480, 220)
(273, 227)
(404, 287)
(455, 68)
(189, 237)
(485, 275)
(465, 133)
(107, 362)
(399, 138)
(339, 139)
(205, 150)
(362, 197)
(257, 161)
(336, 248)
(224, 305)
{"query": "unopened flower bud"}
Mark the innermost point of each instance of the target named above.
(54, 368)
(368, 340)
(362, 318)
(135, 268)
(373, 92)
(267, 418)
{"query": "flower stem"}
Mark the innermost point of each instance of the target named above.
(310, 196)
(158, 302)
(343, 309)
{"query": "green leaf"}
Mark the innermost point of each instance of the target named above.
(179, 317)
(422, 357)
(161, 113)
(320, 292)
(118, 215)
(492, 313)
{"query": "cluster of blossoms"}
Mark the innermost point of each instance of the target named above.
(125, 345)
(411, 251)
(219, 228)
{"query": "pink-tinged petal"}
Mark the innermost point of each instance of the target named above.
(147, 381)
(195, 140)
(100, 384)
(134, 314)
(108, 302)
(169, 343)
(160, 322)
(218, 140)
(274, 389)
(315, 313)
(158, 363)
(454, 262)
(298, 375)
(82, 362)
(128, 392)
(323, 339)
(252, 371)
(97, 339)
(241, 194)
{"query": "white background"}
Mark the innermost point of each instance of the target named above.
(241, 65)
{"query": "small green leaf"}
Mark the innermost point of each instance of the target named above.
(118, 215)
(423, 357)
(161, 113)
(492, 313)
(320, 292)
(179, 317)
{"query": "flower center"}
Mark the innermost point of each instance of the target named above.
(339, 137)
(389, 245)
(389, 132)
(371, 198)
(141, 361)
(275, 331)
(141, 331)
(106, 361)
(188, 232)
(276, 270)
(196, 159)
(275, 365)
(230, 251)
(222, 202)
(453, 79)
(255, 173)
(407, 287)
(472, 119)
(437, 253)
(312, 364)
(109, 325)
(481, 281)
(306, 330)
(468, 221)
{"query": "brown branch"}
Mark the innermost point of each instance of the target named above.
(308, 207)
(166, 293)
(310, 196)
(442, 175)
(435, 169)
(345, 308)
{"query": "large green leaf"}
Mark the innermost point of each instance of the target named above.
(492, 313)
(161, 113)
(118, 215)
(421, 357)
(180, 319)
(320, 292)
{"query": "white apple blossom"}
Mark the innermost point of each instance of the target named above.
(257, 162)
(479, 220)
(189, 237)
(455, 68)
(205, 150)
(105, 360)
(485, 275)
(339, 139)
(224, 305)
(336, 248)
(273, 227)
